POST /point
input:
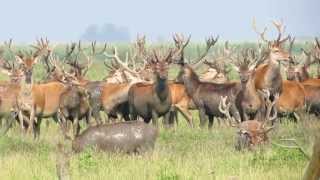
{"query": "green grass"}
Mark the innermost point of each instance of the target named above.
(182, 153)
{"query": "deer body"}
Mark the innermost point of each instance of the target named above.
(149, 100)
(182, 102)
(206, 95)
(248, 100)
(292, 97)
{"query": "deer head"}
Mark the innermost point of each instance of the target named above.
(160, 63)
(15, 74)
(28, 60)
(276, 52)
(245, 64)
(253, 132)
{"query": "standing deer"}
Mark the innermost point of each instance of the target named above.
(206, 95)
(151, 101)
(248, 100)
(267, 75)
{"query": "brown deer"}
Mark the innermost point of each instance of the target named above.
(300, 72)
(206, 95)
(9, 91)
(181, 102)
(253, 132)
(267, 75)
(292, 98)
(111, 96)
(38, 100)
(151, 101)
(248, 101)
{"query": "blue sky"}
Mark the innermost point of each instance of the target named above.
(66, 20)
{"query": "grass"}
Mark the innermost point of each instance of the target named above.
(182, 153)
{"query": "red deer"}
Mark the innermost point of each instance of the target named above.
(181, 102)
(253, 132)
(9, 92)
(124, 137)
(206, 95)
(38, 100)
(301, 72)
(292, 98)
(248, 101)
(151, 101)
(112, 96)
(267, 75)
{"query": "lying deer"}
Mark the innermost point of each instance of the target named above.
(253, 132)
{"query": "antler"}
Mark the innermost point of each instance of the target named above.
(117, 59)
(291, 43)
(41, 46)
(210, 42)
(180, 43)
(269, 105)
(281, 28)
(224, 108)
(261, 34)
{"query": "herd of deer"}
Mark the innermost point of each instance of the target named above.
(138, 87)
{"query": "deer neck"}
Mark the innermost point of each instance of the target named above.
(191, 82)
(249, 89)
(161, 88)
(25, 95)
(273, 71)
(304, 74)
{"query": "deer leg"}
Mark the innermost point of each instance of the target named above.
(211, 122)
(168, 120)
(187, 115)
(203, 117)
(7, 124)
(76, 126)
(31, 120)
(154, 118)
(36, 133)
(20, 116)
(63, 124)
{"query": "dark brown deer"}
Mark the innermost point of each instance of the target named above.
(253, 132)
(151, 101)
(248, 100)
(206, 95)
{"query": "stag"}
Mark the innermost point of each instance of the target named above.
(248, 100)
(267, 75)
(253, 132)
(295, 71)
(206, 95)
(151, 101)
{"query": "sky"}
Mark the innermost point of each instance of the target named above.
(66, 20)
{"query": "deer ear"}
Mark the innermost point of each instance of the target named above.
(19, 59)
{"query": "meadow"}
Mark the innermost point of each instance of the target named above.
(180, 153)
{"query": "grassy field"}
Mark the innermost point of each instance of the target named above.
(182, 153)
